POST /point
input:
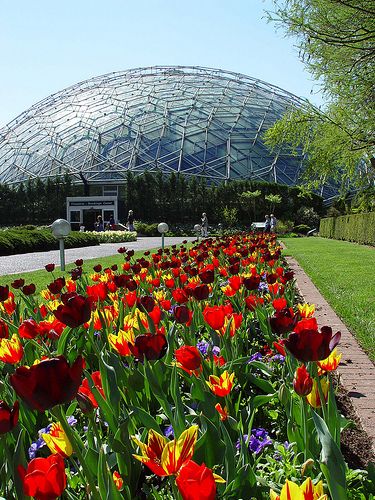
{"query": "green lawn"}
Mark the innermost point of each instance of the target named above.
(42, 278)
(345, 275)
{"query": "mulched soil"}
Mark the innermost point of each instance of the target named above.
(354, 441)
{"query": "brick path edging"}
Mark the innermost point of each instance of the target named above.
(357, 372)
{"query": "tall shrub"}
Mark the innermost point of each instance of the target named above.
(359, 228)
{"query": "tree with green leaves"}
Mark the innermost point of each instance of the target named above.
(336, 42)
(248, 201)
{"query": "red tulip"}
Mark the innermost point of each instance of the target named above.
(312, 345)
(8, 416)
(196, 482)
(28, 329)
(84, 391)
(48, 383)
(97, 292)
(188, 358)
(75, 310)
(44, 478)
(49, 267)
(302, 381)
(180, 296)
(214, 316)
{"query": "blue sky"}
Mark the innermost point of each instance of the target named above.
(47, 45)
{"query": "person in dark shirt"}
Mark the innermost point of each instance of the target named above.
(130, 221)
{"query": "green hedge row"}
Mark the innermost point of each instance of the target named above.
(24, 240)
(359, 228)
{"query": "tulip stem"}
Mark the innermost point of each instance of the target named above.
(59, 413)
(305, 429)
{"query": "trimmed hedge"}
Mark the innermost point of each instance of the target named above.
(23, 240)
(359, 228)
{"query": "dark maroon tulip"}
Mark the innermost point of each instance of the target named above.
(131, 285)
(149, 346)
(136, 268)
(29, 289)
(48, 383)
(120, 280)
(271, 278)
(146, 303)
(252, 282)
(8, 416)
(114, 267)
(98, 268)
(311, 345)
(4, 293)
(17, 284)
(200, 292)
(234, 268)
(181, 314)
(121, 250)
(76, 273)
(4, 330)
(56, 286)
(283, 321)
(79, 262)
(74, 311)
(207, 276)
(49, 267)
(130, 253)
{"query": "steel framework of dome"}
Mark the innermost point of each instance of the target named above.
(193, 120)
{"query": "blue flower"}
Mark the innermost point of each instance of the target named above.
(202, 347)
(169, 432)
(278, 358)
(255, 357)
(259, 439)
(216, 350)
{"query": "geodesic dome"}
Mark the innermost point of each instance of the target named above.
(192, 120)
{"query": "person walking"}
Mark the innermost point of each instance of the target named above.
(130, 221)
(273, 223)
(204, 225)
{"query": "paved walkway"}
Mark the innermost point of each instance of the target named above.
(12, 264)
(357, 372)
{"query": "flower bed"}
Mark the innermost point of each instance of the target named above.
(186, 374)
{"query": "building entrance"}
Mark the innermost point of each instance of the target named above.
(84, 211)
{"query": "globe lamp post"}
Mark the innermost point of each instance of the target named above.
(60, 230)
(163, 228)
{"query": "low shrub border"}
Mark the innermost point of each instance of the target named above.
(30, 239)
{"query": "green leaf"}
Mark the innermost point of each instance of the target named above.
(61, 345)
(332, 462)
(19, 459)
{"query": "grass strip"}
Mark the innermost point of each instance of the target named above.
(344, 273)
